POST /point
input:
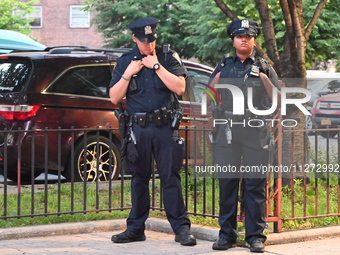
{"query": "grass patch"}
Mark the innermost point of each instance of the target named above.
(89, 202)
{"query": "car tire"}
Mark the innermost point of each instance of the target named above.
(103, 173)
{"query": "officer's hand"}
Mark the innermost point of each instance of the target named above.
(150, 60)
(133, 68)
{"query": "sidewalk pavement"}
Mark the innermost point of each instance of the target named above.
(94, 237)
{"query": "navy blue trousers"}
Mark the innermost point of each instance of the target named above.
(245, 150)
(159, 142)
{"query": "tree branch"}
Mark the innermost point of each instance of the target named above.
(226, 9)
(295, 7)
(289, 26)
(314, 19)
(268, 30)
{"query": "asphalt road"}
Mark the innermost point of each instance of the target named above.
(41, 177)
(322, 143)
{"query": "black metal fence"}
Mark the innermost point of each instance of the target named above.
(312, 189)
(289, 197)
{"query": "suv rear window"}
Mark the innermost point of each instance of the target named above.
(84, 80)
(13, 75)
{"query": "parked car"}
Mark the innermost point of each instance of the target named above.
(326, 113)
(60, 88)
(320, 83)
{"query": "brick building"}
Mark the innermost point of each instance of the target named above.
(63, 22)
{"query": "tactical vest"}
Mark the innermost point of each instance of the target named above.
(243, 79)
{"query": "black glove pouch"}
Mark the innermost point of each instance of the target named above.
(142, 119)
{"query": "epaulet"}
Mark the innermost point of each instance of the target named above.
(226, 60)
(262, 60)
(171, 51)
(127, 53)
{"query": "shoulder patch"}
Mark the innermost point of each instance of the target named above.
(176, 56)
(114, 67)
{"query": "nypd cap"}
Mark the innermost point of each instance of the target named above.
(243, 27)
(145, 29)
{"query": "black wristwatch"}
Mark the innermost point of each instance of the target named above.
(156, 66)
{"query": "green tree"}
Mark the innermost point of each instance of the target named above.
(16, 23)
(114, 16)
(197, 28)
(324, 41)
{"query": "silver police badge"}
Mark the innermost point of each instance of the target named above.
(245, 23)
(147, 30)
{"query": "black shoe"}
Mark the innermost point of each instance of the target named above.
(127, 237)
(223, 244)
(257, 246)
(185, 238)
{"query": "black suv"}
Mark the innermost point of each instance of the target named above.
(65, 89)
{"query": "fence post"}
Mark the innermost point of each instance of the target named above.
(278, 179)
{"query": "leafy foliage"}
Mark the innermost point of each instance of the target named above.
(114, 17)
(324, 42)
(197, 28)
(16, 23)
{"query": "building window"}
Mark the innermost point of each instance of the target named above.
(36, 15)
(79, 17)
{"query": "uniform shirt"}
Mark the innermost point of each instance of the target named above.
(242, 66)
(239, 74)
(146, 91)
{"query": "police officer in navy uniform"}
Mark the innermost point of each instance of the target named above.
(147, 76)
(238, 144)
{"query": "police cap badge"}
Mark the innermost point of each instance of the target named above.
(243, 27)
(145, 29)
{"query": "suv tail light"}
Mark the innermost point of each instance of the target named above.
(18, 112)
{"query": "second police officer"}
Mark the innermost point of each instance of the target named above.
(240, 144)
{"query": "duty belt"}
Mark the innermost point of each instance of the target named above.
(143, 117)
(158, 117)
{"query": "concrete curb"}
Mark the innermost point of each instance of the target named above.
(159, 225)
(301, 235)
(61, 229)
